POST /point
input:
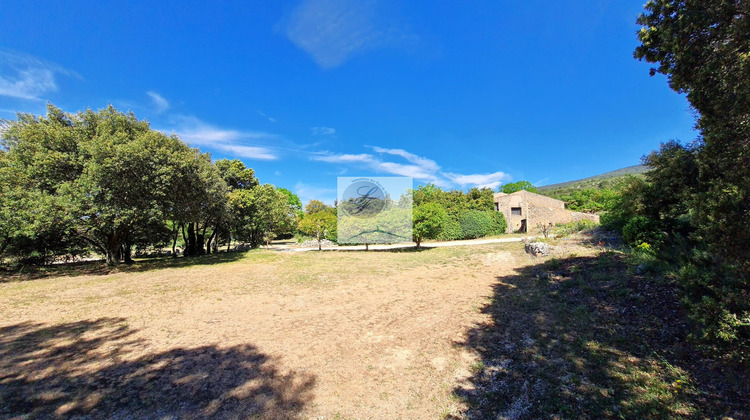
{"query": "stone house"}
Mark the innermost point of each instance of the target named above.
(526, 211)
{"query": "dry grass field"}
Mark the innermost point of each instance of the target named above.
(457, 332)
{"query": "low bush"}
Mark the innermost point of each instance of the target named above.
(717, 301)
(499, 224)
(476, 224)
(640, 229)
(451, 230)
(566, 229)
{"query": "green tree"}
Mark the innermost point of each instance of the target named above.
(294, 206)
(109, 172)
(702, 47)
(315, 206)
(259, 213)
(292, 199)
(33, 224)
(517, 186)
(236, 175)
(429, 219)
(321, 225)
(456, 205)
(199, 207)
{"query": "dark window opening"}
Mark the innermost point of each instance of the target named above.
(515, 211)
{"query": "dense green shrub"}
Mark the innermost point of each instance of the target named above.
(701, 192)
(468, 215)
(451, 230)
(718, 302)
(476, 224)
(499, 224)
(642, 229)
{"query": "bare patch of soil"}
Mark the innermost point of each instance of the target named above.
(273, 335)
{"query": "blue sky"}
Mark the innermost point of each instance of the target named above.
(460, 94)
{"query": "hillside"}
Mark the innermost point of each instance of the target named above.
(605, 180)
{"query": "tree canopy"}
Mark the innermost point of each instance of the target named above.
(429, 219)
(320, 225)
(105, 181)
(699, 194)
(457, 205)
(512, 187)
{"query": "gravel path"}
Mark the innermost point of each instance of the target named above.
(295, 248)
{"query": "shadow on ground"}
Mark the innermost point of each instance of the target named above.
(89, 268)
(86, 369)
(583, 338)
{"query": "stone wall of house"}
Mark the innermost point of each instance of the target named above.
(536, 209)
(543, 201)
(544, 215)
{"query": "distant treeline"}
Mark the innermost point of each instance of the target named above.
(595, 196)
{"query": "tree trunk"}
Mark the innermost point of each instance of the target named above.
(199, 244)
(229, 243)
(127, 253)
(174, 244)
(419, 240)
(202, 241)
(367, 247)
(113, 250)
(190, 248)
(211, 241)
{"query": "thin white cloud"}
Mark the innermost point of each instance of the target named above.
(322, 131)
(411, 157)
(492, 180)
(541, 182)
(160, 103)
(252, 152)
(307, 192)
(25, 77)
(420, 168)
(273, 120)
(343, 158)
(199, 133)
(331, 31)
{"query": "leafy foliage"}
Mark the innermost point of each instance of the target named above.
(109, 172)
(260, 213)
(429, 219)
(320, 225)
(468, 215)
(608, 180)
(476, 224)
(700, 194)
(105, 181)
(574, 227)
(315, 206)
(512, 187)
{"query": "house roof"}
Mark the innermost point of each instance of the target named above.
(526, 194)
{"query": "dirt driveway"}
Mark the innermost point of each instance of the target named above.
(311, 335)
